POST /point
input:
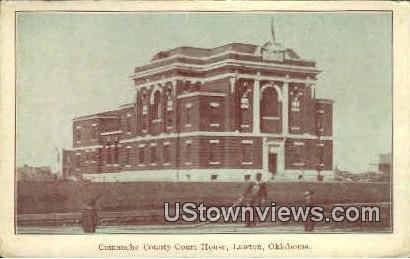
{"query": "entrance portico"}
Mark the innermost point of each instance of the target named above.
(273, 160)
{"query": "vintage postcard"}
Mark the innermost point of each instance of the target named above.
(204, 129)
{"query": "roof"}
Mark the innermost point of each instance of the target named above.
(111, 114)
(204, 52)
(320, 100)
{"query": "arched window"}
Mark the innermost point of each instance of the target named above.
(156, 106)
(269, 103)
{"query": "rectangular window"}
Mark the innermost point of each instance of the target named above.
(94, 131)
(115, 154)
(319, 121)
(88, 152)
(213, 115)
(213, 152)
(214, 177)
(247, 153)
(153, 154)
(188, 152)
(127, 124)
(166, 153)
(144, 109)
(299, 155)
(94, 156)
(108, 155)
(141, 155)
(244, 102)
(127, 155)
(169, 105)
(188, 111)
(78, 160)
(323, 121)
(78, 135)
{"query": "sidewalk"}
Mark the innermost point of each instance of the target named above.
(104, 218)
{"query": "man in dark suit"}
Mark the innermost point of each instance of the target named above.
(255, 195)
(309, 225)
(89, 217)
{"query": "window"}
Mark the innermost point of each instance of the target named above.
(169, 121)
(89, 156)
(108, 154)
(153, 154)
(144, 109)
(245, 100)
(213, 114)
(94, 156)
(78, 160)
(188, 111)
(127, 123)
(213, 151)
(94, 131)
(295, 104)
(214, 177)
(319, 122)
(78, 134)
(247, 152)
(324, 121)
(144, 120)
(166, 153)
(141, 155)
(156, 106)
(269, 103)
(320, 154)
(169, 99)
(127, 155)
(187, 87)
(295, 99)
(144, 101)
(115, 155)
(299, 154)
(188, 152)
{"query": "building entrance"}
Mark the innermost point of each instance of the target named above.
(273, 163)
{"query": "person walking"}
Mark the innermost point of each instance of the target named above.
(89, 217)
(255, 195)
(309, 225)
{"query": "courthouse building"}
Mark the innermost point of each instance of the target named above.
(218, 114)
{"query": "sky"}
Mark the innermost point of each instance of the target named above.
(73, 64)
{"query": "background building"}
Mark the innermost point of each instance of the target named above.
(220, 114)
(385, 163)
(28, 173)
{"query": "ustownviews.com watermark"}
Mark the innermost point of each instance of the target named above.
(192, 212)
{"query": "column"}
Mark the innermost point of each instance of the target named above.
(174, 116)
(256, 105)
(232, 81)
(312, 90)
(285, 108)
(281, 159)
(265, 154)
